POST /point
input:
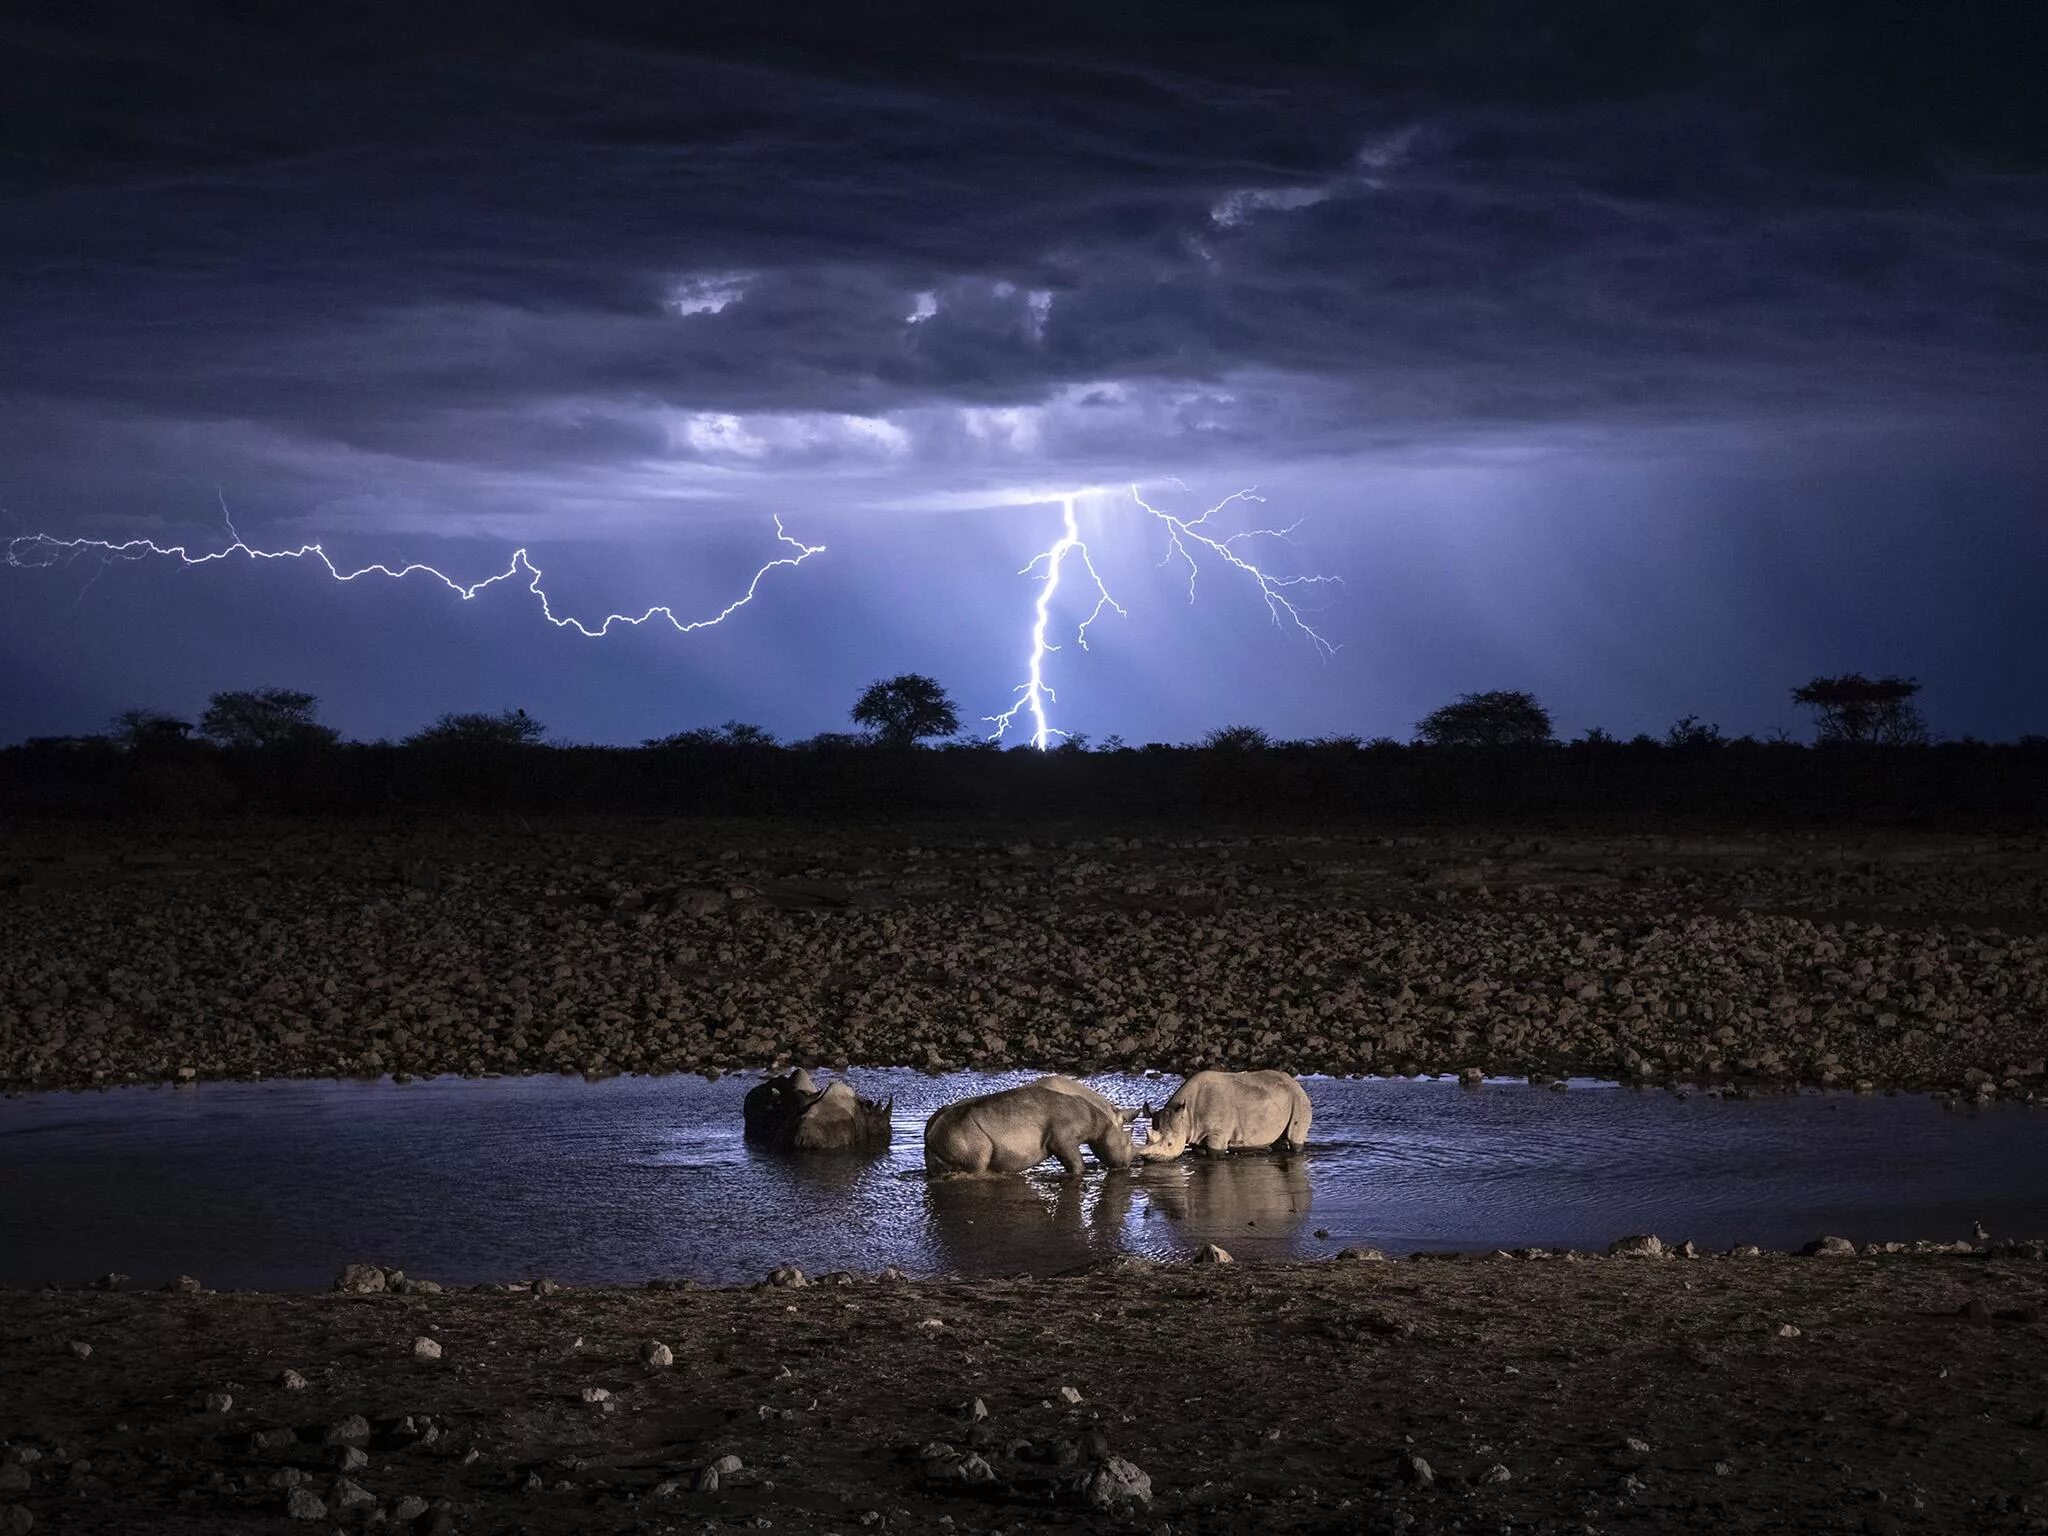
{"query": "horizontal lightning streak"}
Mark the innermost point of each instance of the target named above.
(40, 550)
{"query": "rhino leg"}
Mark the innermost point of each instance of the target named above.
(1069, 1154)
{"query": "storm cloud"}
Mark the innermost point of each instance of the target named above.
(570, 269)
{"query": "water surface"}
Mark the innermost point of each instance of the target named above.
(278, 1184)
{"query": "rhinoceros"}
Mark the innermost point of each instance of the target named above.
(1226, 1111)
(1019, 1128)
(794, 1114)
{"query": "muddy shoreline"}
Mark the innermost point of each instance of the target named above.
(293, 949)
(1888, 1393)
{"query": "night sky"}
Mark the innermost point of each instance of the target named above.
(1653, 358)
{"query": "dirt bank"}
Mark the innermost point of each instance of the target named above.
(263, 950)
(1771, 1393)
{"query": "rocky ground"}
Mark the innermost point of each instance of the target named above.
(1530, 1395)
(263, 949)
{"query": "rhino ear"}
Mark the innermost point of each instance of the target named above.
(1128, 1115)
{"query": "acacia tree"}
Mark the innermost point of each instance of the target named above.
(1856, 710)
(481, 731)
(901, 711)
(264, 717)
(1496, 719)
(138, 729)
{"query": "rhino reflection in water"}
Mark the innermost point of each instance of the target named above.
(1228, 1199)
(792, 1113)
(1006, 1226)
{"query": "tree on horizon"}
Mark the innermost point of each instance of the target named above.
(1854, 710)
(903, 710)
(1498, 718)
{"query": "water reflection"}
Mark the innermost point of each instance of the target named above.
(998, 1225)
(1264, 1200)
(619, 1180)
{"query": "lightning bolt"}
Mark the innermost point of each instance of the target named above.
(40, 550)
(1034, 694)
(1181, 532)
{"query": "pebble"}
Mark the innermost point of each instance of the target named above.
(408, 1509)
(342, 1431)
(657, 1355)
(1787, 1330)
(1829, 1248)
(1213, 1253)
(596, 1395)
(80, 1350)
(291, 1381)
(787, 1276)
(354, 1458)
(1497, 1474)
(16, 1521)
(1417, 1471)
(1643, 1245)
(351, 1495)
(219, 1402)
(281, 1438)
(1070, 1394)
(305, 1504)
(359, 1280)
(1360, 1256)
(424, 1348)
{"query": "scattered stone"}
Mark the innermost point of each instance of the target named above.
(280, 1438)
(287, 1477)
(656, 1355)
(424, 1348)
(1636, 1446)
(787, 1276)
(1643, 1245)
(13, 1478)
(728, 1464)
(1070, 1395)
(595, 1395)
(707, 1479)
(1496, 1474)
(546, 1287)
(977, 1410)
(16, 1521)
(351, 1495)
(1417, 1471)
(1213, 1253)
(1360, 1256)
(219, 1402)
(1829, 1248)
(347, 1431)
(1723, 1469)
(184, 1285)
(1113, 1484)
(291, 1381)
(1787, 1331)
(408, 1509)
(359, 1280)
(80, 1350)
(1975, 1310)
(305, 1504)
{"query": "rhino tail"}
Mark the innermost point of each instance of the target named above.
(1297, 1124)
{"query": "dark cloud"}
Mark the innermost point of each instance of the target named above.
(390, 234)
